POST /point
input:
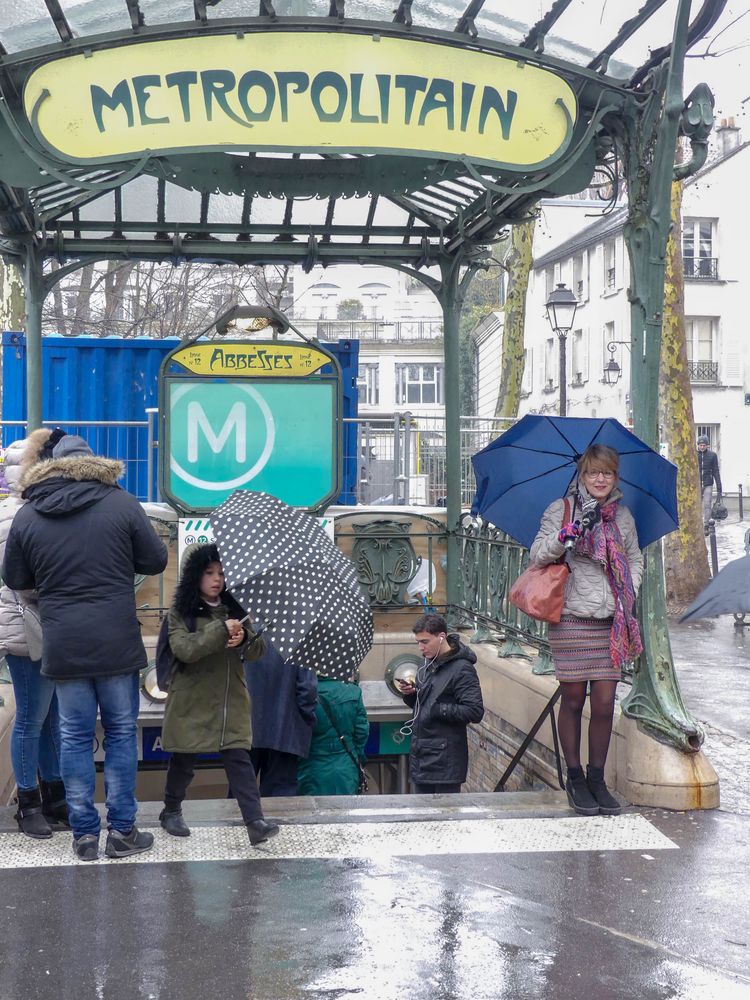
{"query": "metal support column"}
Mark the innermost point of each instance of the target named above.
(34, 288)
(450, 300)
(654, 700)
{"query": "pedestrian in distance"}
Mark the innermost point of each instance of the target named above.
(337, 749)
(35, 741)
(80, 540)
(208, 708)
(708, 474)
(283, 697)
(446, 697)
(597, 633)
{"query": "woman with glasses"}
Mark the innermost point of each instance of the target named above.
(597, 633)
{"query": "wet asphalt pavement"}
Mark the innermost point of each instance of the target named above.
(652, 924)
(525, 917)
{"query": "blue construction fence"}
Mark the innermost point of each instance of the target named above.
(102, 388)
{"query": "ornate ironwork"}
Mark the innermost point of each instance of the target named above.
(385, 560)
(704, 371)
(701, 267)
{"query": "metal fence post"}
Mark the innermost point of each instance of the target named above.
(739, 499)
(407, 457)
(150, 446)
(396, 456)
(712, 547)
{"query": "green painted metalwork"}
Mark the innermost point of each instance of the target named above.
(650, 139)
(385, 560)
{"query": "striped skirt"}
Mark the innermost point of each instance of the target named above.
(580, 649)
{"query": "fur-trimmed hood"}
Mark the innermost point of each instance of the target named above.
(80, 468)
(61, 486)
(187, 601)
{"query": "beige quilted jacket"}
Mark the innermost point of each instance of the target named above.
(587, 592)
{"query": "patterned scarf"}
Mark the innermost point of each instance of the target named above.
(604, 545)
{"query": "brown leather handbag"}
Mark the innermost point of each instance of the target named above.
(540, 590)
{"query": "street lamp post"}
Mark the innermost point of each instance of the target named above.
(561, 311)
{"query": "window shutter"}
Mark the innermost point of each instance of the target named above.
(732, 365)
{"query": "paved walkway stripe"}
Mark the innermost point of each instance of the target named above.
(372, 841)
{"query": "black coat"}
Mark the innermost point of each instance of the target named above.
(708, 469)
(80, 541)
(283, 697)
(448, 698)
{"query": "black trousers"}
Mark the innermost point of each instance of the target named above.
(421, 788)
(240, 775)
(276, 771)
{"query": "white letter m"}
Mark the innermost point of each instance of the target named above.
(235, 420)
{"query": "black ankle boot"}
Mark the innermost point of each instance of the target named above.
(260, 830)
(579, 795)
(608, 804)
(30, 820)
(54, 806)
(173, 822)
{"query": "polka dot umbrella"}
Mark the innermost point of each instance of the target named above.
(281, 566)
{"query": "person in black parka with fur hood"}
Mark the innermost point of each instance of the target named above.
(445, 699)
(79, 541)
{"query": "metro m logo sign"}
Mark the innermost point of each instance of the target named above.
(198, 421)
(279, 436)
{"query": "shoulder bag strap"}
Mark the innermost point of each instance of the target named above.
(342, 738)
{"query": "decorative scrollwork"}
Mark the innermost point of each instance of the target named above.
(385, 560)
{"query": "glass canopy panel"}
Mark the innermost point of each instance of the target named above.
(28, 24)
(95, 17)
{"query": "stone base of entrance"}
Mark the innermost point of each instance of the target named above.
(644, 771)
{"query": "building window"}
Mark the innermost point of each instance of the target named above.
(698, 254)
(580, 268)
(419, 384)
(700, 335)
(368, 384)
(577, 358)
(549, 282)
(551, 364)
(610, 265)
(712, 433)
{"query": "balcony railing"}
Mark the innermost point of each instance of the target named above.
(372, 329)
(701, 267)
(705, 372)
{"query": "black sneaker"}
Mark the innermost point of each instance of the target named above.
(579, 795)
(122, 845)
(86, 847)
(260, 830)
(608, 804)
(173, 823)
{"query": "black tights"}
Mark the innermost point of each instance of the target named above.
(600, 726)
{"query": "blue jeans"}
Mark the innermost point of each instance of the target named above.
(35, 743)
(117, 700)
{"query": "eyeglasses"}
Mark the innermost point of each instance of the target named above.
(591, 474)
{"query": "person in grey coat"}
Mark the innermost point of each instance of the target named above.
(283, 697)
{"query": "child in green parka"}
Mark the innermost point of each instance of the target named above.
(208, 708)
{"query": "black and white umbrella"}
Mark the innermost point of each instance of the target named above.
(282, 567)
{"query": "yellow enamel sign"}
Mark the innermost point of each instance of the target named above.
(292, 90)
(240, 358)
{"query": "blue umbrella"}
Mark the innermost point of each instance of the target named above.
(520, 473)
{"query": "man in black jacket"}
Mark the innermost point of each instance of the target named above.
(708, 472)
(445, 699)
(79, 541)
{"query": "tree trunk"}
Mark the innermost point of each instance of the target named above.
(80, 321)
(512, 361)
(12, 305)
(686, 559)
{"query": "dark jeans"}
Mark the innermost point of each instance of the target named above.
(277, 771)
(422, 788)
(35, 743)
(117, 700)
(240, 774)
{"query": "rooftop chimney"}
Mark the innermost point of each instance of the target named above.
(728, 135)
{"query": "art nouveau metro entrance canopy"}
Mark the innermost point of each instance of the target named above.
(437, 125)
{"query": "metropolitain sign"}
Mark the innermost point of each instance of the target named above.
(301, 91)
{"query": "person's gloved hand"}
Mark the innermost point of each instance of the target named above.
(718, 496)
(569, 532)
